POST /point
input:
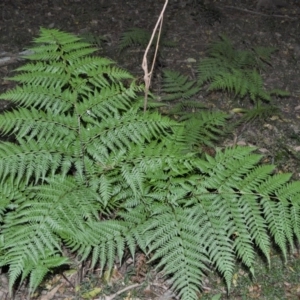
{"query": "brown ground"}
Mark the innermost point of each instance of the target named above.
(193, 29)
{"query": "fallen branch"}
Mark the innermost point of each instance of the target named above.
(258, 13)
(7, 58)
(111, 297)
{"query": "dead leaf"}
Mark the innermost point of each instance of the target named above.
(51, 294)
(255, 291)
(191, 60)
(269, 126)
(235, 279)
(263, 150)
(237, 110)
(273, 118)
(296, 148)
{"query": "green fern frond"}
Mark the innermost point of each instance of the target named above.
(209, 67)
(177, 86)
(51, 99)
(259, 112)
(201, 127)
(222, 49)
(111, 234)
(94, 39)
(35, 231)
(25, 247)
(279, 93)
(39, 271)
(187, 108)
(35, 123)
(134, 36)
(140, 37)
(232, 82)
(255, 87)
(204, 128)
(57, 43)
(236, 71)
(265, 187)
(290, 192)
(28, 160)
(264, 53)
(174, 240)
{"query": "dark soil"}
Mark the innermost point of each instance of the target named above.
(192, 27)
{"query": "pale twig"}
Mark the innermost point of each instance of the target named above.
(147, 74)
(113, 296)
(258, 13)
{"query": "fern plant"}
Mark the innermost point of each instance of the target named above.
(202, 127)
(140, 37)
(177, 86)
(89, 172)
(93, 39)
(224, 69)
(237, 71)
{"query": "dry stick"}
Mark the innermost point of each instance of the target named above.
(111, 297)
(156, 46)
(147, 74)
(9, 58)
(258, 13)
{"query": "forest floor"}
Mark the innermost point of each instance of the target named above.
(192, 28)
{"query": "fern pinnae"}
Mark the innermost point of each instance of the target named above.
(254, 178)
(242, 239)
(270, 185)
(41, 269)
(134, 36)
(25, 255)
(285, 214)
(20, 158)
(177, 86)
(286, 207)
(215, 218)
(115, 178)
(272, 213)
(235, 71)
(264, 54)
(256, 224)
(290, 192)
(277, 230)
(175, 240)
(52, 40)
(140, 37)
(39, 97)
(203, 128)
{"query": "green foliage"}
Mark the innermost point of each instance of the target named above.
(202, 127)
(93, 39)
(177, 89)
(177, 86)
(237, 71)
(140, 37)
(227, 69)
(92, 174)
(259, 112)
